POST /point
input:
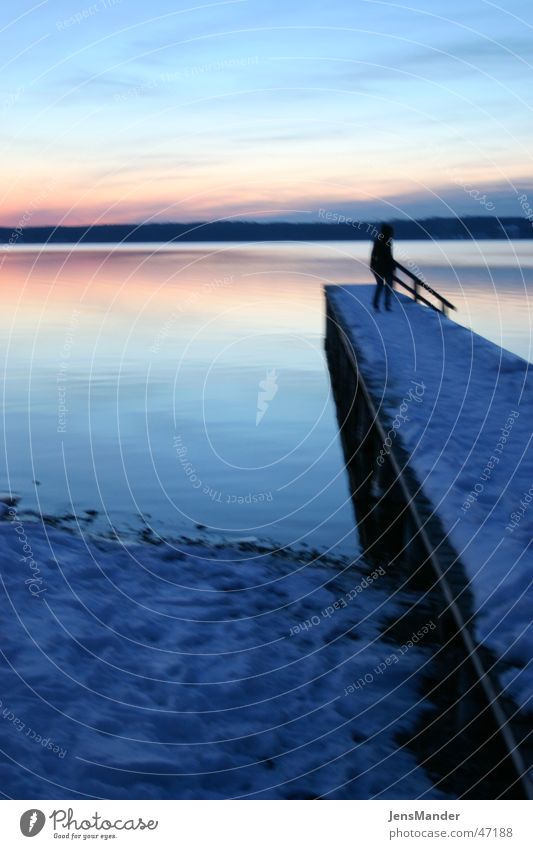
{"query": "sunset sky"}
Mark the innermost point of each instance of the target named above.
(125, 110)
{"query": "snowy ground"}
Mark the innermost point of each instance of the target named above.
(467, 428)
(131, 670)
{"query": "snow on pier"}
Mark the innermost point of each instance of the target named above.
(462, 409)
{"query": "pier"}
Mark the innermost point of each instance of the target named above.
(436, 429)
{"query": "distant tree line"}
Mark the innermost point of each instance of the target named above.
(471, 227)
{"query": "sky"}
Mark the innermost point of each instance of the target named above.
(128, 110)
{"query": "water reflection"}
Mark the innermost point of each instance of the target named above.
(133, 378)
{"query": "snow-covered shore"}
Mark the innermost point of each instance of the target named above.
(131, 670)
(468, 433)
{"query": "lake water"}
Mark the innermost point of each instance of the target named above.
(188, 385)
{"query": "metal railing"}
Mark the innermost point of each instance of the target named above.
(443, 304)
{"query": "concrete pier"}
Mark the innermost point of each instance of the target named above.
(436, 424)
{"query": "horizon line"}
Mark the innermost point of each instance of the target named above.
(340, 221)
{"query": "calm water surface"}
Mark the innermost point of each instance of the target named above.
(188, 385)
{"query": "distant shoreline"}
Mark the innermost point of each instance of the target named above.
(467, 228)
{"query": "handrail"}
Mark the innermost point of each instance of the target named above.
(416, 294)
(445, 304)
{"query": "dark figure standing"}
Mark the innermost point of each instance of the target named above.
(382, 264)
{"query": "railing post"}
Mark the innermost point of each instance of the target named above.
(415, 290)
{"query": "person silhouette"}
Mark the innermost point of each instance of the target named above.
(382, 265)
